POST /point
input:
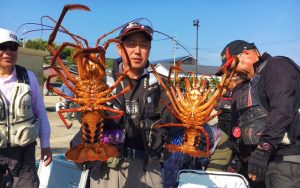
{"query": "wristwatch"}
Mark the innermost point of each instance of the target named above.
(265, 146)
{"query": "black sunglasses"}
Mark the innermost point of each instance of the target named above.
(11, 46)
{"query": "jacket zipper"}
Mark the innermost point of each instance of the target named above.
(8, 124)
(149, 91)
(13, 102)
(150, 134)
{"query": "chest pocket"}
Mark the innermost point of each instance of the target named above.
(24, 105)
(152, 97)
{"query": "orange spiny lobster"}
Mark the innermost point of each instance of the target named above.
(90, 89)
(192, 107)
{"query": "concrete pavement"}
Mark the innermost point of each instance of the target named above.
(60, 135)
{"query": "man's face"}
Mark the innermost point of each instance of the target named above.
(138, 48)
(247, 59)
(8, 54)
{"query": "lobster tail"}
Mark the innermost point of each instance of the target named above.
(92, 152)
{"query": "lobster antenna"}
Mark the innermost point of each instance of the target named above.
(120, 27)
(138, 20)
(50, 28)
(17, 30)
(172, 38)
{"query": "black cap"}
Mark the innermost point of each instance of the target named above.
(134, 27)
(235, 47)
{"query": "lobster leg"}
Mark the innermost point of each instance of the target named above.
(166, 89)
(200, 81)
(176, 69)
(62, 65)
(126, 61)
(172, 125)
(57, 91)
(125, 90)
(62, 15)
(177, 115)
(207, 138)
(213, 116)
(60, 113)
(180, 104)
(62, 117)
(73, 36)
(119, 112)
(187, 85)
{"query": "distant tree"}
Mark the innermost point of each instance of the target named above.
(37, 44)
(66, 53)
(109, 62)
(215, 82)
(40, 44)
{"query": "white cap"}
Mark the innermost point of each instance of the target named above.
(7, 35)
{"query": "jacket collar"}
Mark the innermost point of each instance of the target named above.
(262, 62)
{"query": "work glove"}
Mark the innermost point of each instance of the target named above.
(258, 163)
(112, 162)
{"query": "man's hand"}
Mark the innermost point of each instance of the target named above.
(46, 156)
(258, 163)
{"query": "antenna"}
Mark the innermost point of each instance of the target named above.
(174, 54)
(196, 24)
(174, 49)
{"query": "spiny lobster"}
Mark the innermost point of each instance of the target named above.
(90, 89)
(192, 107)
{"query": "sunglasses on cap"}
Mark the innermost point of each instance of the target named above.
(134, 25)
(137, 26)
(12, 46)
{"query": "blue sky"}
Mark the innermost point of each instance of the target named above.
(274, 25)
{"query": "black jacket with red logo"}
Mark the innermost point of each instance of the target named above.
(279, 94)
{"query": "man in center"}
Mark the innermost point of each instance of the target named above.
(139, 162)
